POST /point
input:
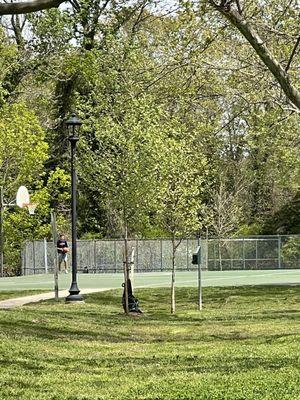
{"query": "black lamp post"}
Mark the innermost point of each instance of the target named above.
(73, 125)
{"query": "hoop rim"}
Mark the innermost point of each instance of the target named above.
(31, 207)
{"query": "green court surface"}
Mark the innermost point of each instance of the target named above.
(156, 279)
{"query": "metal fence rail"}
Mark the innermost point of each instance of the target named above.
(104, 256)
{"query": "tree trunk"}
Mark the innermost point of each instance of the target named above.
(126, 269)
(173, 306)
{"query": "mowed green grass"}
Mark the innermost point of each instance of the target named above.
(244, 345)
(9, 294)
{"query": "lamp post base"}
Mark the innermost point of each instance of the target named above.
(74, 297)
(74, 294)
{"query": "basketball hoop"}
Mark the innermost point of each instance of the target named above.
(31, 207)
(22, 198)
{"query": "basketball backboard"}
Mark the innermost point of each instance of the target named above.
(22, 198)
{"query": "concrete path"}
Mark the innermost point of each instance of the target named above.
(20, 301)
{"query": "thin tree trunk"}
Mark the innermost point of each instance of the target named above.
(126, 269)
(173, 306)
(55, 260)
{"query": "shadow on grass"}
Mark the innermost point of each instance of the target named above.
(102, 318)
(195, 363)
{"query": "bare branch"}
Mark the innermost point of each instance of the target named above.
(292, 54)
(238, 4)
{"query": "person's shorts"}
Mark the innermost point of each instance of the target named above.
(62, 257)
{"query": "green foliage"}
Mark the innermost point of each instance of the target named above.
(291, 250)
(51, 32)
(8, 59)
(180, 180)
(23, 149)
(249, 230)
(123, 167)
(183, 126)
(23, 152)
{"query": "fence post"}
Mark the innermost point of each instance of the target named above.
(161, 255)
(24, 260)
(55, 254)
(45, 256)
(206, 260)
(215, 261)
(231, 254)
(115, 254)
(244, 254)
(187, 254)
(95, 256)
(279, 251)
(256, 253)
(137, 255)
(27, 253)
(33, 250)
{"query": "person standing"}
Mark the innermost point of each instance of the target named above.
(62, 250)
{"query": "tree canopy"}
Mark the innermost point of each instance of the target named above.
(190, 111)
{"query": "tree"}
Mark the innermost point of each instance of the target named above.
(23, 152)
(225, 210)
(233, 11)
(181, 177)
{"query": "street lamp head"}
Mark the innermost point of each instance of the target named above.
(73, 122)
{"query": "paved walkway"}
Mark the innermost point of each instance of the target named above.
(20, 301)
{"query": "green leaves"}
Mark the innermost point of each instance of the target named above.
(23, 149)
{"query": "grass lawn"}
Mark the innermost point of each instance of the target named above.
(244, 345)
(9, 294)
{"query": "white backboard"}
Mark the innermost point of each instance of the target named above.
(22, 196)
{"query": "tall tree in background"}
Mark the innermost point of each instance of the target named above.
(239, 16)
(105, 55)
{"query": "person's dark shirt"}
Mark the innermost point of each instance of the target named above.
(60, 245)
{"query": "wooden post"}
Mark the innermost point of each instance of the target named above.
(199, 279)
(55, 260)
(125, 264)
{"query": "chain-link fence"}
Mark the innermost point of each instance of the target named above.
(103, 256)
